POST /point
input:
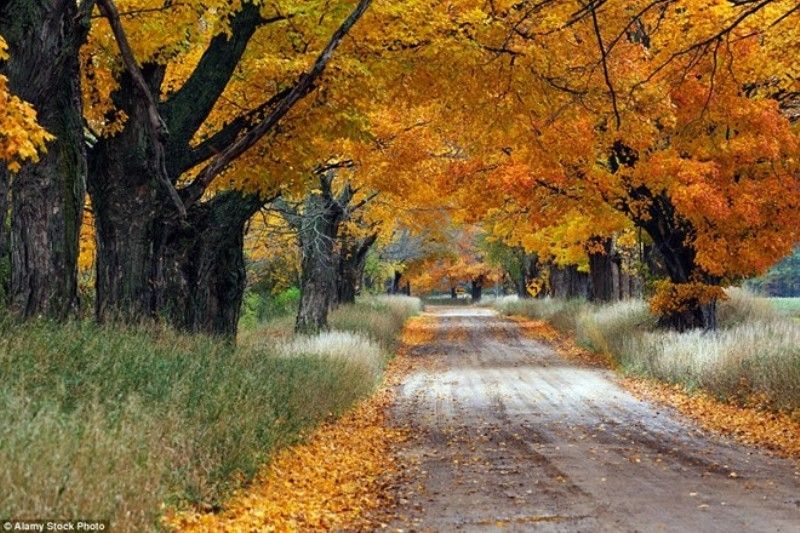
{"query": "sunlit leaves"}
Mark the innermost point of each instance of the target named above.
(21, 137)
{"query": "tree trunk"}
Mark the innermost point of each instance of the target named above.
(47, 197)
(671, 236)
(568, 282)
(200, 272)
(352, 260)
(318, 228)
(5, 261)
(603, 272)
(126, 200)
(529, 270)
(453, 293)
(395, 288)
(477, 289)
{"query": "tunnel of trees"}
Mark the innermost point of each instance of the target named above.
(140, 144)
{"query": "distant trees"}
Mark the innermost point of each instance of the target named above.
(783, 279)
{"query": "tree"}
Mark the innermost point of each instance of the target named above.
(685, 141)
(150, 179)
(317, 220)
(47, 194)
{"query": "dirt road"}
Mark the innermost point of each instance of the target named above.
(510, 436)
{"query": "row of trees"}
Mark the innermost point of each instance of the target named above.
(583, 137)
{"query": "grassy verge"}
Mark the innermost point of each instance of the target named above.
(111, 423)
(753, 358)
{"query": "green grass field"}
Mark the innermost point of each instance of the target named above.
(789, 306)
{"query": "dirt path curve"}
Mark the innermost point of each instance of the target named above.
(509, 435)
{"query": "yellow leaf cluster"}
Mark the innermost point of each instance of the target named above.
(21, 137)
(675, 298)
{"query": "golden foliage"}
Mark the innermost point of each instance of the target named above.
(330, 482)
(675, 298)
(21, 137)
(419, 330)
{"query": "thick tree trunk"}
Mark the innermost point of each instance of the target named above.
(318, 228)
(670, 236)
(529, 270)
(521, 288)
(568, 282)
(126, 200)
(603, 272)
(5, 260)
(477, 289)
(200, 272)
(47, 197)
(453, 293)
(352, 260)
(395, 287)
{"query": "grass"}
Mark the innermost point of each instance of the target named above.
(788, 306)
(754, 356)
(111, 423)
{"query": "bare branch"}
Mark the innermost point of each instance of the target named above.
(603, 59)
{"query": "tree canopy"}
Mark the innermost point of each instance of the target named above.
(519, 136)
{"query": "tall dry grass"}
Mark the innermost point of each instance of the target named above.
(561, 313)
(111, 423)
(755, 352)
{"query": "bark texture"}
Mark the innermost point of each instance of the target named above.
(603, 269)
(671, 237)
(352, 260)
(568, 282)
(318, 227)
(47, 197)
(200, 274)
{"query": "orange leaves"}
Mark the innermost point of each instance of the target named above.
(335, 480)
(675, 298)
(776, 431)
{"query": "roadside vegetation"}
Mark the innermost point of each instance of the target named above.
(114, 422)
(752, 358)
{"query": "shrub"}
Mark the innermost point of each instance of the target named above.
(258, 307)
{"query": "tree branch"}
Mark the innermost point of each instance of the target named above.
(158, 129)
(188, 108)
(603, 59)
(217, 142)
(303, 86)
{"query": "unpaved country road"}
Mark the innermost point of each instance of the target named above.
(508, 435)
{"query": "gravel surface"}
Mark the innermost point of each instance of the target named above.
(510, 436)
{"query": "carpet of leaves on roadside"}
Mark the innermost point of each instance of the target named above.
(342, 477)
(778, 432)
(751, 424)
